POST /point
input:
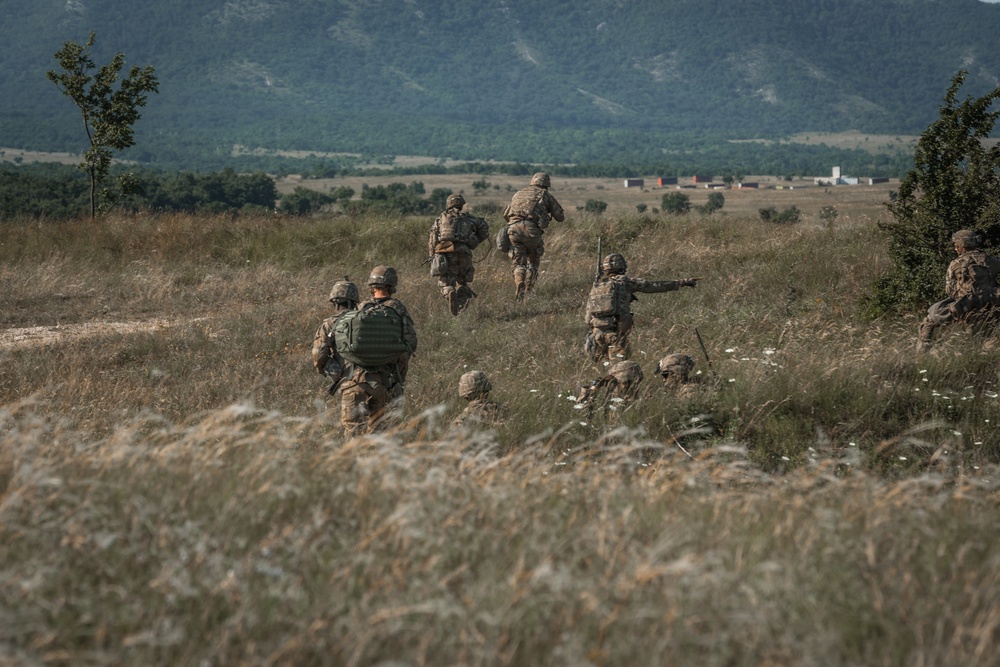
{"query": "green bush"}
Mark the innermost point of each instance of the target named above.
(954, 185)
(676, 203)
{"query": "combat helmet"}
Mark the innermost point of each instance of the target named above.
(967, 238)
(614, 263)
(675, 366)
(541, 179)
(385, 277)
(474, 384)
(454, 201)
(345, 292)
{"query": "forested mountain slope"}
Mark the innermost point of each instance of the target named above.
(506, 79)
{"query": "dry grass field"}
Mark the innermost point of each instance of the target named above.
(180, 493)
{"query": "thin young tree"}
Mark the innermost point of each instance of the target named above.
(108, 114)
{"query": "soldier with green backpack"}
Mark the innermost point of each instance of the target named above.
(378, 339)
(609, 313)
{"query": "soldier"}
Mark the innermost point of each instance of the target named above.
(970, 283)
(609, 313)
(374, 394)
(527, 217)
(475, 387)
(675, 370)
(621, 385)
(344, 296)
(453, 236)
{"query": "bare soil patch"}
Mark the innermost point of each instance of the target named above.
(26, 337)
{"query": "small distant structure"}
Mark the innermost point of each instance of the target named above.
(715, 186)
(634, 182)
(701, 179)
(835, 179)
(666, 180)
(747, 186)
(875, 180)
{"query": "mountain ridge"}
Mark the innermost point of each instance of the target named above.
(498, 79)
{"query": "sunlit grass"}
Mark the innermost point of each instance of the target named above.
(182, 493)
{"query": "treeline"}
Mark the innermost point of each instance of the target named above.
(57, 191)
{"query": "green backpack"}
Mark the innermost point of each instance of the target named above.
(370, 336)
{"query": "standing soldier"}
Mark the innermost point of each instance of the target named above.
(379, 339)
(971, 284)
(609, 313)
(453, 236)
(527, 216)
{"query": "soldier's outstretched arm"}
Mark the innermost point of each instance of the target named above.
(652, 286)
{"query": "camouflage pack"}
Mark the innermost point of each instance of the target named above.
(503, 241)
(608, 298)
(370, 336)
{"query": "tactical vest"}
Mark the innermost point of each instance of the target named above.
(524, 205)
(608, 298)
(982, 272)
(452, 226)
(370, 336)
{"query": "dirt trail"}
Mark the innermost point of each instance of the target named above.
(14, 339)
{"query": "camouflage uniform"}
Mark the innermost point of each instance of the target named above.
(373, 397)
(675, 370)
(971, 284)
(611, 321)
(453, 236)
(621, 385)
(344, 296)
(475, 387)
(527, 216)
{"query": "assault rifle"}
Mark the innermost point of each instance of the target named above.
(600, 262)
(715, 376)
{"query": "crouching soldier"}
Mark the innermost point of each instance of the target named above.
(452, 238)
(971, 285)
(620, 385)
(675, 369)
(378, 338)
(475, 387)
(609, 313)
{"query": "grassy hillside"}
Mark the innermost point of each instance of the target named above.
(578, 81)
(179, 492)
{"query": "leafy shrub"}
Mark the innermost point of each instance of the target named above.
(954, 185)
(595, 206)
(716, 201)
(676, 203)
(790, 215)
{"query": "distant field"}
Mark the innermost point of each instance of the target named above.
(28, 157)
(573, 193)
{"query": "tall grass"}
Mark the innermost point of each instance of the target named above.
(182, 494)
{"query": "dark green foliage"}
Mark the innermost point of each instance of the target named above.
(59, 191)
(954, 185)
(676, 203)
(828, 214)
(303, 201)
(716, 201)
(108, 114)
(790, 215)
(50, 191)
(595, 206)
